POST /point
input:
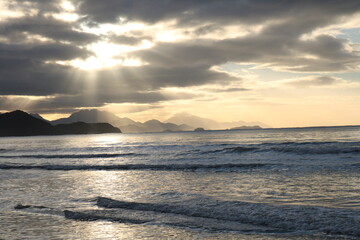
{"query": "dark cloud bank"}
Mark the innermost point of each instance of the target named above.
(28, 65)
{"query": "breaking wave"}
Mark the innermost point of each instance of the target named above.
(284, 218)
(295, 148)
(316, 147)
(237, 149)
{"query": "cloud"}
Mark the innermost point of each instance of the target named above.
(190, 12)
(155, 77)
(26, 70)
(59, 103)
(24, 28)
(43, 52)
(127, 40)
(229, 90)
(209, 28)
(131, 108)
(41, 6)
(321, 54)
(279, 44)
(31, 77)
(314, 81)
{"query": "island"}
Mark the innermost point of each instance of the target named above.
(246, 128)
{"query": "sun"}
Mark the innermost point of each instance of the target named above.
(107, 55)
(94, 63)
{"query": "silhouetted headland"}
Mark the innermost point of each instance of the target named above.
(19, 123)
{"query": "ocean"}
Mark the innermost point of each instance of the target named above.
(249, 184)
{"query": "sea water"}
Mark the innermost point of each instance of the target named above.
(248, 184)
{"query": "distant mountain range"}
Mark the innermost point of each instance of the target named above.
(19, 123)
(94, 116)
(179, 122)
(125, 124)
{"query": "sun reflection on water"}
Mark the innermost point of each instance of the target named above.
(107, 139)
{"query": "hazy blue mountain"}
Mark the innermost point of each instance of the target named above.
(185, 127)
(195, 121)
(126, 125)
(95, 116)
(132, 128)
(199, 122)
(157, 126)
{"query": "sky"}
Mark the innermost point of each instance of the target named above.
(285, 63)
